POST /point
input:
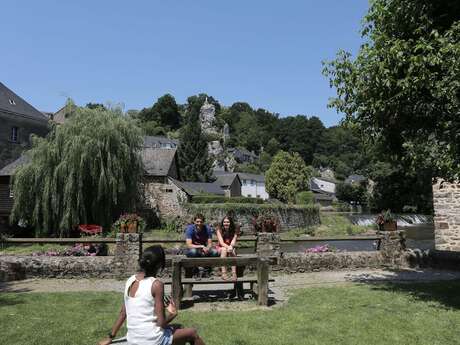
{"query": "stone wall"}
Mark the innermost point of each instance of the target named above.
(310, 262)
(446, 202)
(290, 217)
(22, 267)
(165, 197)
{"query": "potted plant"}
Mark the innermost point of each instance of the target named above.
(386, 221)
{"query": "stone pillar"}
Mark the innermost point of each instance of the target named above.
(392, 247)
(446, 203)
(268, 244)
(127, 253)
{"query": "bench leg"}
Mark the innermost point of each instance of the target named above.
(262, 281)
(188, 287)
(176, 286)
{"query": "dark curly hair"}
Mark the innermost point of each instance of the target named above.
(152, 260)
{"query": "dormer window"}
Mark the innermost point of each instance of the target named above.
(12, 102)
(14, 134)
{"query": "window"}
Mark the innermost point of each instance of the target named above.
(14, 134)
(258, 195)
(253, 183)
(12, 102)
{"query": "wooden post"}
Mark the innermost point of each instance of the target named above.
(176, 285)
(262, 281)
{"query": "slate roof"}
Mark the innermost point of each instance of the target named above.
(255, 177)
(157, 141)
(10, 169)
(355, 179)
(227, 179)
(196, 188)
(315, 187)
(157, 162)
(12, 103)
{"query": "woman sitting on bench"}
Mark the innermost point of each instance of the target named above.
(144, 308)
(227, 234)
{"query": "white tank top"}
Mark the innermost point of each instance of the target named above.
(140, 315)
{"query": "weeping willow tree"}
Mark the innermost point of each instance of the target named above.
(86, 171)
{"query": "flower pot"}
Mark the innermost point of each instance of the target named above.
(132, 227)
(390, 226)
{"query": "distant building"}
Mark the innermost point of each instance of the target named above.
(230, 183)
(18, 121)
(322, 186)
(242, 155)
(355, 179)
(252, 185)
(158, 142)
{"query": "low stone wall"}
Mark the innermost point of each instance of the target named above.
(312, 262)
(290, 216)
(23, 267)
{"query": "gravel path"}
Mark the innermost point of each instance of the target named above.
(217, 298)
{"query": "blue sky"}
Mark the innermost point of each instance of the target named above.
(267, 53)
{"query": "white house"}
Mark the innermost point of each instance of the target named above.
(252, 185)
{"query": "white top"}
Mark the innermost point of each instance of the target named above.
(141, 319)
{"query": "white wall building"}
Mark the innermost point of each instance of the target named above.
(253, 185)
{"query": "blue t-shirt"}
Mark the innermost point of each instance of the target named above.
(199, 237)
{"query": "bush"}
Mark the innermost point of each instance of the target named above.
(217, 199)
(304, 198)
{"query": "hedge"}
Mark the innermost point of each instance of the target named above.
(217, 199)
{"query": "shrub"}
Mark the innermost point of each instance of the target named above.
(304, 198)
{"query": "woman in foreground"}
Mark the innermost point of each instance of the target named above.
(144, 309)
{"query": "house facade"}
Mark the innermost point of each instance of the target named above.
(230, 184)
(19, 120)
(253, 186)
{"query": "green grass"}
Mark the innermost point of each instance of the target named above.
(27, 249)
(415, 314)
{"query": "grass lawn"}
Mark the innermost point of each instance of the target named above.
(418, 314)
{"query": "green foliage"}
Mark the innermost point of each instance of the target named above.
(286, 176)
(216, 199)
(86, 171)
(352, 193)
(304, 198)
(337, 225)
(165, 113)
(402, 89)
(194, 162)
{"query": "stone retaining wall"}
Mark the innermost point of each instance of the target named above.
(446, 203)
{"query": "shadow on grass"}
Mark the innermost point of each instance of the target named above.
(10, 287)
(426, 285)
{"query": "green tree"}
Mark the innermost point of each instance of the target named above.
(403, 87)
(86, 170)
(352, 193)
(287, 176)
(194, 162)
(165, 113)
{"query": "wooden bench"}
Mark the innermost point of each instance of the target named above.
(262, 279)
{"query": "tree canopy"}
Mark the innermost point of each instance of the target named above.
(86, 170)
(287, 176)
(403, 87)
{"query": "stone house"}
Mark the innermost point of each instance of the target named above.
(230, 183)
(323, 186)
(19, 120)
